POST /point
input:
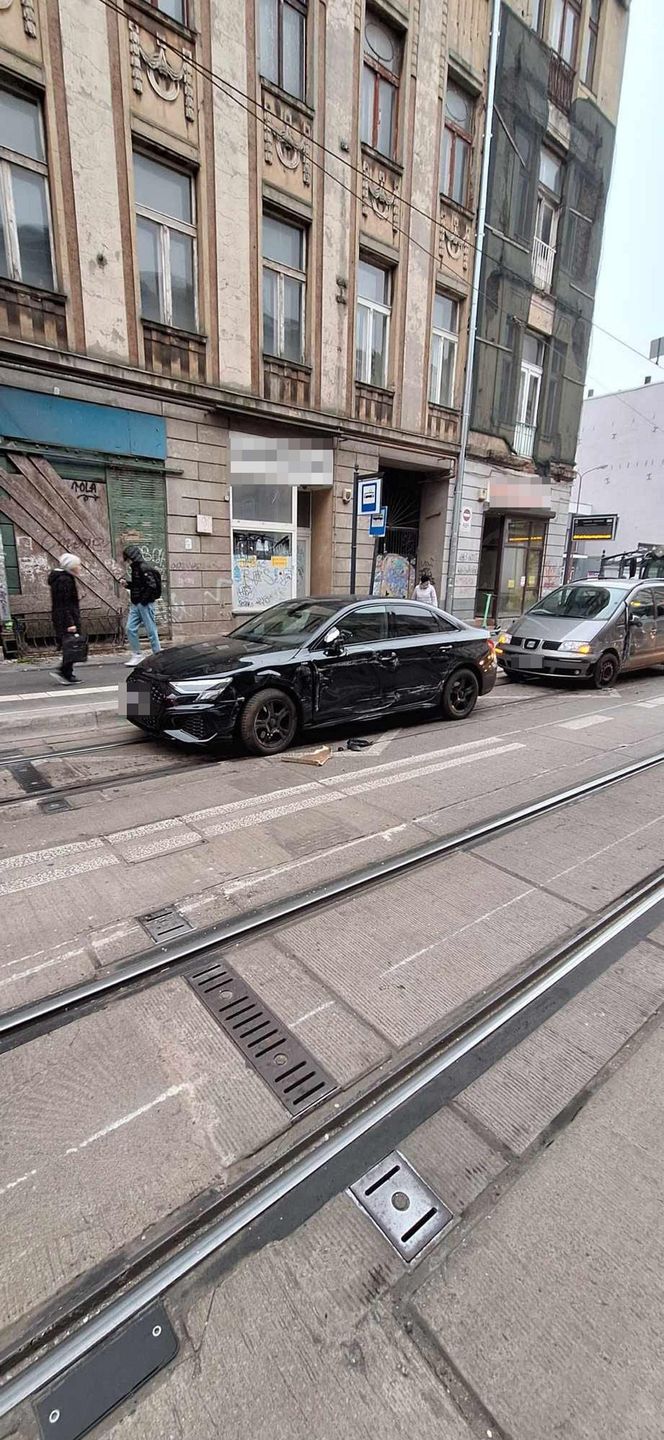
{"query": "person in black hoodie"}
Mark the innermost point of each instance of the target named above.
(144, 588)
(65, 609)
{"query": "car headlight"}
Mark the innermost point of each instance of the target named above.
(504, 639)
(201, 689)
(575, 648)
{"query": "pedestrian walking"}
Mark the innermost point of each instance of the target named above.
(144, 588)
(65, 610)
(425, 590)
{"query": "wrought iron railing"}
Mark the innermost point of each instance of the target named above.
(524, 440)
(561, 83)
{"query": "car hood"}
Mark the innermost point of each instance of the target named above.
(551, 627)
(215, 657)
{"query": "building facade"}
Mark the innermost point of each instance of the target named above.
(620, 465)
(236, 254)
(556, 104)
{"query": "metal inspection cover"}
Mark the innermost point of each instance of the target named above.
(402, 1205)
(290, 1070)
(166, 924)
(109, 1374)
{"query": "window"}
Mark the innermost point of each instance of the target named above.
(658, 592)
(444, 342)
(264, 523)
(8, 538)
(530, 384)
(373, 323)
(405, 622)
(364, 626)
(284, 289)
(282, 44)
(380, 86)
(546, 218)
(536, 17)
(166, 236)
(565, 29)
(25, 230)
(581, 602)
(457, 145)
(592, 42)
(175, 9)
(642, 605)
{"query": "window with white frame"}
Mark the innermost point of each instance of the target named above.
(444, 344)
(530, 386)
(536, 15)
(546, 218)
(166, 236)
(380, 86)
(26, 252)
(282, 31)
(457, 146)
(372, 337)
(284, 289)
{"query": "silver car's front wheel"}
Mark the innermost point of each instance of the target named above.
(606, 670)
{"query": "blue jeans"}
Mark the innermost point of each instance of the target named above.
(142, 615)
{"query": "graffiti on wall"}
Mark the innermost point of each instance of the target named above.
(85, 489)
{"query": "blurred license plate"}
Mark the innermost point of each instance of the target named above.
(136, 701)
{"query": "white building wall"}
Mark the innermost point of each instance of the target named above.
(625, 432)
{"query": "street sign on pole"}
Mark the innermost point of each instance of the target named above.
(369, 495)
(378, 523)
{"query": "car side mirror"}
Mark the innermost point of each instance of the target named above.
(332, 641)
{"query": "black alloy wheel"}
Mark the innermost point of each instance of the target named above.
(605, 671)
(460, 694)
(268, 723)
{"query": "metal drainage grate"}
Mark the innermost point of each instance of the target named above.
(401, 1205)
(164, 925)
(291, 1072)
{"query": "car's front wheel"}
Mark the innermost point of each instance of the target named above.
(268, 723)
(605, 671)
(460, 694)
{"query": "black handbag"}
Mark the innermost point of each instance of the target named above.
(74, 649)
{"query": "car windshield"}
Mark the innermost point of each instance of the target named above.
(580, 602)
(294, 619)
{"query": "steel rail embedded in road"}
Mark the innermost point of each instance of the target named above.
(343, 1131)
(66, 1003)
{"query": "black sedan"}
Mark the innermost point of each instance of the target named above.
(311, 663)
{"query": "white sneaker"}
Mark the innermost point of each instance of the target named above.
(134, 660)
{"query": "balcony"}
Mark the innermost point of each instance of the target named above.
(36, 316)
(524, 440)
(286, 382)
(561, 83)
(443, 423)
(174, 353)
(373, 404)
(543, 261)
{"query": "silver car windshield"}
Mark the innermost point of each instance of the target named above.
(581, 602)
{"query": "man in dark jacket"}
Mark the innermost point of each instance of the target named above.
(144, 588)
(65, 609)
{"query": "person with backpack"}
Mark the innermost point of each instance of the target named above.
(144, 588)
(66, 611)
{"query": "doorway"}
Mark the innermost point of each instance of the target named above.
(510, 568)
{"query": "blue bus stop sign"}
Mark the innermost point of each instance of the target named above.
(378, 523)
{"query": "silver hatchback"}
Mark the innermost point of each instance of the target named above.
(590, 628)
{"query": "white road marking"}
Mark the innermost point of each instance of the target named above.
(582, 722)
(452, 934)
(611, 846)
(123, 1120)
(53, 694)
(41, 877)
(650, 704)
(380, 745)
(276, 812)
(310, 1013)
(20, 1180)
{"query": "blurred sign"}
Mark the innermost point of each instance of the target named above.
(594, 527)
(369, 495)
(378, 523)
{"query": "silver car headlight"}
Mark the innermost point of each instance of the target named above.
(201, 689)
(575, 647)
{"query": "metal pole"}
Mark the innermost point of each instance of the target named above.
(353, 533)
(472, 322)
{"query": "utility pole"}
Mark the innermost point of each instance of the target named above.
(353, 533)
(472, 322)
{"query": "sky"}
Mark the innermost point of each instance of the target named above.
(630, 291)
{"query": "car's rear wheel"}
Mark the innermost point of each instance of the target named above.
(605, 671)
(268, 723)
(460, 694)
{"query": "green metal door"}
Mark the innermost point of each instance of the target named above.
(137, 514)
